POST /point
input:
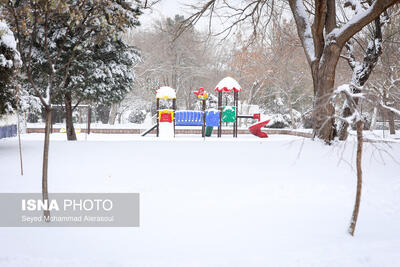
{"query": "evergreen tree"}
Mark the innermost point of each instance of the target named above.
(9, 62)
(101, 75)
(51, 34)
(62, 35)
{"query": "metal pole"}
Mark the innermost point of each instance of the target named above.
(235, 125)
(89, 119)
(19, 133)
(19, 143)
(203, 128)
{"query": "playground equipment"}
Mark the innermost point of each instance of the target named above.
(165, 120)
(256, 129)
(169, 117)
(228, 84)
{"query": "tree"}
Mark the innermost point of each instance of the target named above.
(103, 75)
(182, 63)
(322, 41)
(274, 71)
(9, 62)
(370, 56)
(386, 81)
(50, 34)
(353, 104)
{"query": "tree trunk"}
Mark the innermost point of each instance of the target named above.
(71, 136)
(346, 112)
(89, 119)
(392, 129)
(361, 75)
(291, 112)
(354, 217)
(113, 114)
(373, 119)
(45, 194)
(324, 111)
(344, 125)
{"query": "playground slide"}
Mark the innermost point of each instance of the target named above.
(256, 129)
(149, 130)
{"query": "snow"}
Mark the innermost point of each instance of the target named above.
(345, 88)
(8, 119)
(355, 5)
(7, 37)
(228, 84)
(166, 92)
(356, 19)
(7, 40)
(287, 203)
(166, 130)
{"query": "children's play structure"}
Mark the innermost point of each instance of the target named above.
(168, 117)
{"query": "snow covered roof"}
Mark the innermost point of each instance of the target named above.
(228, 84)
(166, 92)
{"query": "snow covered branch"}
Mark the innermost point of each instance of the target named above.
(303, 28)
(360, 20)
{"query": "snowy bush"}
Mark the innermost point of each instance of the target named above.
(137, 116)
(278, 121)
(280, 115)
(283, 120)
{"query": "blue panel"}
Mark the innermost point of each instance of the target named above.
(189, 118)
(186, 118)
(8, 131)
(212, 118)
(198, 118)
(178, 117)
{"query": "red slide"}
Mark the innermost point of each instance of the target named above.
(256, 129)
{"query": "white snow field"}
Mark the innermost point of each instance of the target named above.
(281, 201)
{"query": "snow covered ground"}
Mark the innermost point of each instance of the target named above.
(281, 201)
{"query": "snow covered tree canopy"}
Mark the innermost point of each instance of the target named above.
(52, 34)
(104, 73)
(9, 60)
